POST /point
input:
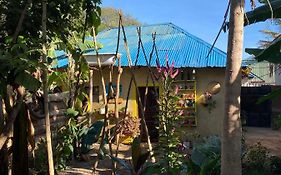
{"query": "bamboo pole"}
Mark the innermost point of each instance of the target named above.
(104, 98)
(116, 109)
(91, 89)
(138, 93)
(111, 92)
(45, 90)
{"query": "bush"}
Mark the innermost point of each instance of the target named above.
(275, 165)
(256, 156)
(206, 156)
(40, 165)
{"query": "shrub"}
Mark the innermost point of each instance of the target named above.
(206, 156)
(275, 165)
(256, 156)
(40, 156)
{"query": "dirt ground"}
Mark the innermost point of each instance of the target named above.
(271, 139)
(266, 136)
(104, 166)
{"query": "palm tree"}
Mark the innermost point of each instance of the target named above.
(232, 131)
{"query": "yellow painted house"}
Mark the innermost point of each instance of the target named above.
(201, 75)
(198, 73)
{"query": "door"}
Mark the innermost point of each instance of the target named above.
(151, 112)
(255, 115)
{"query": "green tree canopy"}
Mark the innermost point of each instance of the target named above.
(110, 19)
(63, 17)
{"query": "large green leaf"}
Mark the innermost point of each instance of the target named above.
(274, 94)
(271, 53)
(263, 13)
(91, 136)
(136, 152)
(28, 81)
(141, 161)
(71, 112)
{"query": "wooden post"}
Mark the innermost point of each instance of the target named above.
(45, 91)
(91, 95)
(116, 109)
(104, 97)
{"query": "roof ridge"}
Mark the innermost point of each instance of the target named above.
(181, 30)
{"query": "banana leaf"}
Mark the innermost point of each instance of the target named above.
(271, 53)
(263, 12)
(270, 96)
(91, 136)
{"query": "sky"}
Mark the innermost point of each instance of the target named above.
(201, 18)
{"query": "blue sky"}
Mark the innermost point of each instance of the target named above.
(201, 18)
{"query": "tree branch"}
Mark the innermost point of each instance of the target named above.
(8, 127)
(16, 34)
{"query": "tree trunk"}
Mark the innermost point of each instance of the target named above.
(232, 131)
(3, 152)
(11, 117)
(20, 144)
(45, 90)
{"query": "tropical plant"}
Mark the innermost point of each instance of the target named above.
(232, 131)
(231, 146)
(169, 119)
(72, 135)
(205, 157)
(139, 164)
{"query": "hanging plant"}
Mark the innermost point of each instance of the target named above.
(209, 102)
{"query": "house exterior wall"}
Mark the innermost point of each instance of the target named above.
(208, 123)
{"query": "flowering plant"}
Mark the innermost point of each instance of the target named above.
(171, 158)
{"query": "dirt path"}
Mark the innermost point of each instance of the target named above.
(266, 136)
(104, 166)
(269, 138)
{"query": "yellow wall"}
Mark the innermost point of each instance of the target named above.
(208, 123)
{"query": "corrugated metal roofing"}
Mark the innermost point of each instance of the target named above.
(61, 59)
(185, 49)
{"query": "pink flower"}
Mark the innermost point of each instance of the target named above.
(177, 89)
(174, 74)
(168, 71)
(180, 112)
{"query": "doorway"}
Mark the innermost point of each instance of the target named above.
(255, 115)
(151, 112)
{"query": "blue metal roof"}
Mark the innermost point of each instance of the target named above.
(61, 59)
(185, 49)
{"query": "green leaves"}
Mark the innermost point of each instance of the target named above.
(71, 113)
(91, 136)
(28, 81)
(274, 94)
(271, 53)
(263, 13)
(138, 157)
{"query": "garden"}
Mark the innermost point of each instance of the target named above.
(49, 123)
